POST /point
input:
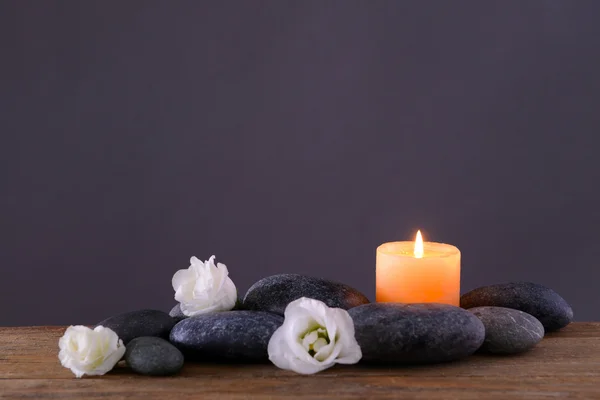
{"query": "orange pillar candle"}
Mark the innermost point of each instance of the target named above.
(417, 272)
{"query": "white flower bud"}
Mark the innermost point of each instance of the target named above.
(204, 288)
(313, 337)
(90, 352)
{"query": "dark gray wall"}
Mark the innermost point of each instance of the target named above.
(292, 136)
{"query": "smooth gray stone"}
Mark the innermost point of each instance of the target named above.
(226, 336)
(131, 325)
(534, 299)
(399, 333)
(508, 331)
(153, 356)
(274, 293)
(178, 315)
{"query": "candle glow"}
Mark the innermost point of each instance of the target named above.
(418, 245)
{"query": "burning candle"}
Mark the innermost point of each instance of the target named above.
(418, 272)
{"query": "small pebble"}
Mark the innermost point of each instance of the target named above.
(153, 356)
(508, 331)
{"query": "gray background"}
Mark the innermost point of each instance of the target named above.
(292, 136)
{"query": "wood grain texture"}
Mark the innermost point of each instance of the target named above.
(565, 364)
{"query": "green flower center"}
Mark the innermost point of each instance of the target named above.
(314, 339)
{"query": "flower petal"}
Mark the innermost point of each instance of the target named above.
(319, 343)
(181, 277)
(328, 354)
(305, 306)
(350, 352)
(310, 339)
(278, 350)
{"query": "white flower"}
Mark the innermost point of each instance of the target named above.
(313, 337)
(204, 288)
(90, 352)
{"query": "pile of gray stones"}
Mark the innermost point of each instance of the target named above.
(506, 318)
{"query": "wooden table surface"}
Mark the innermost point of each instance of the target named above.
(565, 364)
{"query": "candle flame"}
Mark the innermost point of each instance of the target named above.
(419, 245)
